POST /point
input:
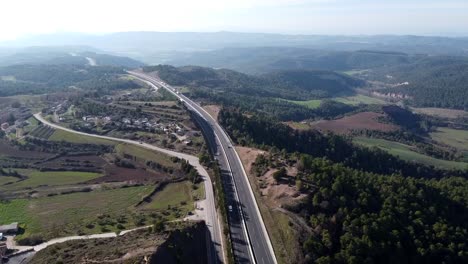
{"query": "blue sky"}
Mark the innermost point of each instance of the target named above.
(351, 17)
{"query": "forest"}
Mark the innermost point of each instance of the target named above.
(432, 81)
(261, 131)
(359, 217)
(293, 85)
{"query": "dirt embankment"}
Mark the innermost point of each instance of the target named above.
(183, 246)
(213, 110)
(283, 228)
(180, 243)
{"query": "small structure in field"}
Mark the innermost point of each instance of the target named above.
(10, 229)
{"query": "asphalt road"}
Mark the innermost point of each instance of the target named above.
(215, 247)
(251, 243)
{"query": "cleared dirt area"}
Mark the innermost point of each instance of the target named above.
(360, 121)
(274, 194)
(283, 229)
(213, 110)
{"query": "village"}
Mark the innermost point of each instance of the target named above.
(140, 124)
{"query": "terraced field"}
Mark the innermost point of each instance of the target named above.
(50, 178)
(43, 132)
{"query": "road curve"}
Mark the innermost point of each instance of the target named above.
(250, 239)
(216, 249)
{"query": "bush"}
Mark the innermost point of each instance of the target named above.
(31, 241)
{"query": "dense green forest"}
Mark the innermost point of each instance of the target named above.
(358, 217)
(40, 79)
(274, 107)
(294, 85)
(262, 131)
(266, 94)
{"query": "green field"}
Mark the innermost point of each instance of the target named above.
(7, 179)
(349, 100)
(452, 137)
(69, 214)
(144, 154)
(358, 99)
(61, 135)
(179, 195)
(50, 178)
(312, 104)
(405, 152)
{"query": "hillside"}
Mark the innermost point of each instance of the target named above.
(162, 47)
(74, 55)
(265, 59)
(432, 81)
(39, 79)
(292, 84)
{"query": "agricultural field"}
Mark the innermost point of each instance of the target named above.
(49, 178)
(359, 121)
(359, 99)
(312, 104)
(349, 100)
(407, 153)
(178, 198)
(61, 135)
(7, 180)
(453, 137)
(43, 132)
(81, 212)
(144, 154)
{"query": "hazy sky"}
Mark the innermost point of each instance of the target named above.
(423, 17)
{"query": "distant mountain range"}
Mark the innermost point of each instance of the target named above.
(52, 55)
(159, 47)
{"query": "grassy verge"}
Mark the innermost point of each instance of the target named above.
(61, 135)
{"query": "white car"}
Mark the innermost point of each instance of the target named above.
(230, 208)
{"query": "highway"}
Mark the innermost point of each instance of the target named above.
(251, 243)
(215, 246)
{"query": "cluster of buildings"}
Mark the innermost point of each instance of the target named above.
(15, 128)
(134, 123)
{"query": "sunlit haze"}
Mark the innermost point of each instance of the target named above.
(25, 17)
